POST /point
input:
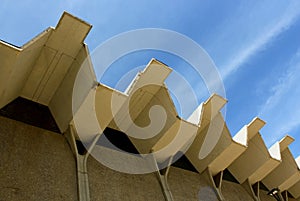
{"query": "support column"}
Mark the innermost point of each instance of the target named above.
(163, 179)
(252, 189)
(81, 161)
(216, 182)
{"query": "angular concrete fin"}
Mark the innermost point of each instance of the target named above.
(195, 117)
(16, 65)
(208, 110)
(249, 131)
(56, 58)
(254, 126)
(285, 142)
(8, 57)
(215, 103)
(210, 107)
(287, 173)
(68, 22)
(242, 136)
(66, 101)
(155, 73)
(274, 151)
(107, 102)
(177, 138)
(69, 34)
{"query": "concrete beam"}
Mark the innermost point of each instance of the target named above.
(286, 174)
(208, 113)
(177, 139)
(69, 96)
(225, 151)
(256, 155)
(16, 65)
(148, 111)
(55, 59)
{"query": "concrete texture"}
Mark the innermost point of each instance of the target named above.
(107, 184)
(187, 185)
(235, 192)
(35, 164)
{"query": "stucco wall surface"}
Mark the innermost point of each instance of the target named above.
(107, 184)
(187, 185)
(35, 164)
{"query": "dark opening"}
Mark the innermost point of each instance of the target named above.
(255, 188)
(263, 187)
(183, 162)
(290, 195)
(217, 179)
(229, 177)
(118, 139)
(31, 113)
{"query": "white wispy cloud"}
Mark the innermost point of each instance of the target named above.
(253, 47)
(260, 34)
(281, 110)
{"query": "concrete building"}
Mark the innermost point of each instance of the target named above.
(49, 129)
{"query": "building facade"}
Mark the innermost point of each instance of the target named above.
(65, 136)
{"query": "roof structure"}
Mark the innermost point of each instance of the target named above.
(45, 69)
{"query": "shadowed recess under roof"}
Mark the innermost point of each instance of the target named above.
(31, 113)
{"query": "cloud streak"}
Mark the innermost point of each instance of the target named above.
(288, 19)
(281, 110)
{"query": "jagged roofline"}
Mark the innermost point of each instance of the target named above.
(38, 36)
(286, 174)
(255, 172)
(246, 135)
(147, 78)
(12, 52)
(22, 76)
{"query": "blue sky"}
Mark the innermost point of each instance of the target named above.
(255, 46)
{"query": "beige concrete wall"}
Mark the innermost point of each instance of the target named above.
(235, 192)
(107, 184)
(187, 185)
(35, 164)
(38, 165)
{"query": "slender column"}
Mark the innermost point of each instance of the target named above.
(216, 182)
(81, 164)
(163, 179)
(253, 189)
